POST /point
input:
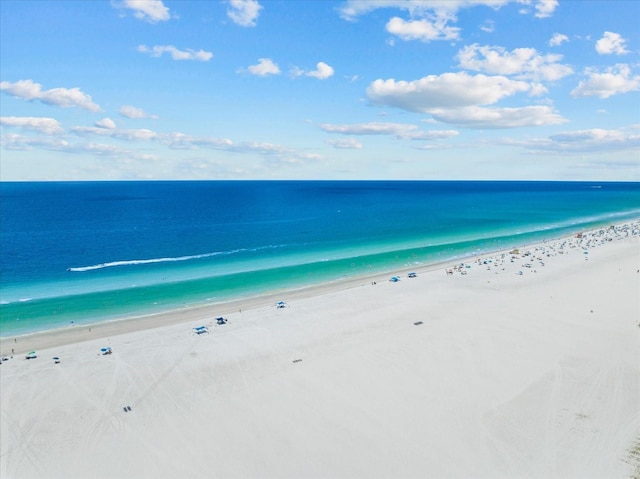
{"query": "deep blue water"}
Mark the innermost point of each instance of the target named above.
(91, 251)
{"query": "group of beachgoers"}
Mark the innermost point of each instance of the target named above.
(528, 260)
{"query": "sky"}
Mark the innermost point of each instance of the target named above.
(296, 89)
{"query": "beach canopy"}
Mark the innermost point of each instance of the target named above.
(394, 279)
(281, 304)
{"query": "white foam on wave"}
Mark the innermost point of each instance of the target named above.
(136, 262)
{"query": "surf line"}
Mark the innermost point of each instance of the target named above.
(135, 262)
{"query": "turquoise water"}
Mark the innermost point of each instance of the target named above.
(87, 252)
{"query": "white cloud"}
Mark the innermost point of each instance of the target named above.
(355, 8)
(522, 62)
(182, 141)
(438, 15)
(19, 142)
(458, 98)
(13, 141)
(48, 126)
(488, 26)
(322, 71)
(264, 67)
(611, 43)
(614, 80)
(134, 113)
(425, 30)
(244, 12)
(345, 144)
(271, 151)
(486, 118)
(558, 39)
(142, 134)
(101, 149)
(586, 141)
(63, 97)
(449, 90)
(176, 54)
(401, 131)
(107, 123)
(545, 8)
(151, 11)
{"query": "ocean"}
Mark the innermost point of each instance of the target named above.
(83, 252)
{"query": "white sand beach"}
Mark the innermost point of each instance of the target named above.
(481, 373)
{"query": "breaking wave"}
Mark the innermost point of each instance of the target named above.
(136, 262)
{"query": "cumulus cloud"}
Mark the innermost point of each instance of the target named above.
(134, 113)
(416, 8)
(611, 43)
(612, 81)
(105, 123)
(63, 97)
(460, 99)
(264, 67)
(322, 71)
(449, 90)
(176, 54)
(48, 126)
(545, 8)
(431, 19)
(558, 39)
(244, 12)
(525, 63)
(425, 30)
(151, 11)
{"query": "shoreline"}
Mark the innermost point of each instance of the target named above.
(62, 336)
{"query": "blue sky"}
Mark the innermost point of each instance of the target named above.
(268, 89)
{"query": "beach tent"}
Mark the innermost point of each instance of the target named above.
(221, 320)
(201, 329)
(31, 355)
(281, 304)
(394, 279)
